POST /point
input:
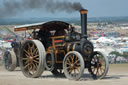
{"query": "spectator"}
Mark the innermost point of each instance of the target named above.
(15, 46)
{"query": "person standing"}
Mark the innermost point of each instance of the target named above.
(15, 46)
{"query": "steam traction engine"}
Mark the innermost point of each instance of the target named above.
(56, 47)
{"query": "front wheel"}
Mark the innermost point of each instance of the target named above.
(99, 65)
(73, 65)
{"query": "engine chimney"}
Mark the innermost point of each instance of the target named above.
(83, 13)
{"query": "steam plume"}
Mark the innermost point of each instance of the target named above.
(12, 7)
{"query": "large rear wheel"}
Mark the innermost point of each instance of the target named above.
(73, 65)
(32, 58)
(98, 65)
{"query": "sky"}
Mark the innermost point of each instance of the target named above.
(96, 8)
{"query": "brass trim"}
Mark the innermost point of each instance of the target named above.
(57, 56)
(83, 12)
(73, 48)
(68, 48)
(21, 29)
(58, 37)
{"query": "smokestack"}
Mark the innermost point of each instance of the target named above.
(83, 13)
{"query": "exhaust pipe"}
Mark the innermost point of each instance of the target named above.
(83, 13)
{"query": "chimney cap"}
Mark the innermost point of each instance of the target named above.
(83, 11)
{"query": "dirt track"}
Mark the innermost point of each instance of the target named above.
(118, 75)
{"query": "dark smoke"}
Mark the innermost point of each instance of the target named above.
(12, 7)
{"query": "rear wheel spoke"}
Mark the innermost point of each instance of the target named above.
(36, 61)
(26, 66)
(36, 56)
(26, 52)
(25, 59)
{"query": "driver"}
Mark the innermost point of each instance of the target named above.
(60, 32)
(44, 36)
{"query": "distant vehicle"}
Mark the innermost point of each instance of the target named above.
(11, 59)
(9, 40)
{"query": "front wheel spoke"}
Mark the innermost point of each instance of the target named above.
(103, 65)
(78, 70)
(97, 72)
(94, 60)
(69, 61)
(72, 58)
(76, 62)
(69, 67)
(74, 72)
(76, 58)
(101, 70)
(92, 64)
(77, 67)
(98, 59)
(70, 70)
(101, 61)
(93, 69)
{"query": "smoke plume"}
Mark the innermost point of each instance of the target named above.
(12, 7)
